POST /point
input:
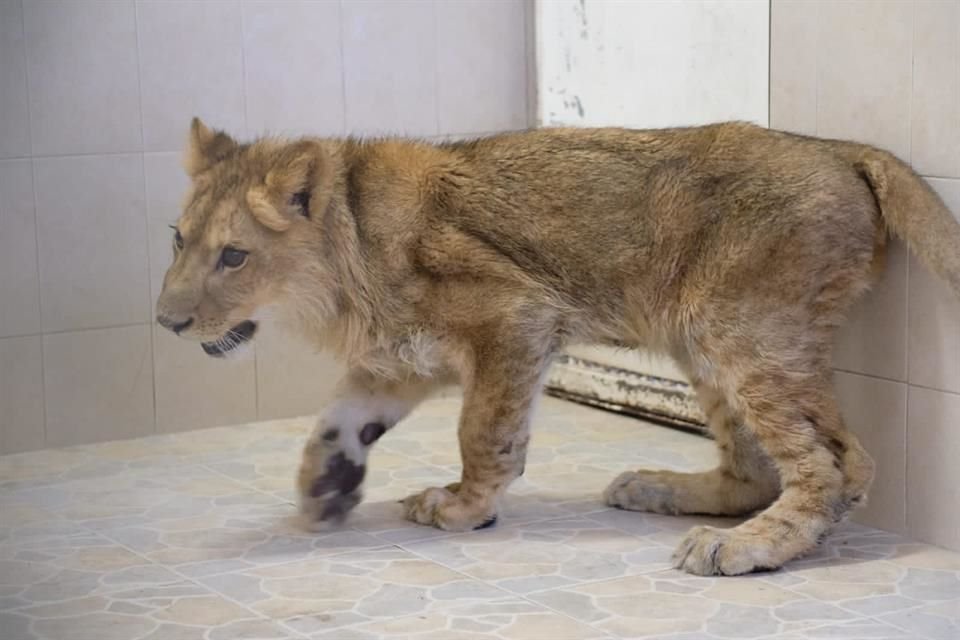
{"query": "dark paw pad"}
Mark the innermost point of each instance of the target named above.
(486, 525)
(337, 508)
(371, 432)
(342, 476)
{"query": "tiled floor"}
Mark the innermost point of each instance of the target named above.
(191, 536)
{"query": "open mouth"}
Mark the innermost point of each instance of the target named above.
(232, 339)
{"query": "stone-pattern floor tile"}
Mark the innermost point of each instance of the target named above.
(174, 611)
(545, 554)
(195, 536)
(62, 567)
(506, 619)
(939, 621)
(363, 590)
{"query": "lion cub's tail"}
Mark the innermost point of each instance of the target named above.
(912, 210)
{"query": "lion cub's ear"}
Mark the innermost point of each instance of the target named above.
(298, 183)
(205, 148)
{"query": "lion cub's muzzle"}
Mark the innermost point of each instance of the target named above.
(238, 335)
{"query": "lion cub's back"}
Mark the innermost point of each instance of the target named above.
(601, 205)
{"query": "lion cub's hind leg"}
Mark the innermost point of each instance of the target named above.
(824, 473)
(744, 481)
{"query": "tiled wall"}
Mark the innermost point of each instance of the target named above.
(95, 98)
(888, 72)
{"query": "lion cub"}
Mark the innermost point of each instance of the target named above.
(734, 249)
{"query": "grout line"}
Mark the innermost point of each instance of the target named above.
(905, 508)
(146, 219)
(818, 46)
(26, 78)
(90, 154)
(906, 417)
(436, 67)
(870, 375)
(79, 330)
(530, 64)
(136, 34)
(243, 72)
(913, 76)
(343, 74)
(936, 177)
(256, 382)
(906, 430)
(248, 133)
(769, 64)
(36, 225)
(378, 135)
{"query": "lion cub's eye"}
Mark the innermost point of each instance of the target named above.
(232, 258)
(177, 238)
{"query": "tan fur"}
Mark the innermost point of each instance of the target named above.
(735, 249)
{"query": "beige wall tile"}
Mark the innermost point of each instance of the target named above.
(873, 341)
(935, 121)
(888, 73)
(92, 235)
(191, 64)
(21, 395)
(19, 281)
(933, 475)
(390, 67)
(15, 123)
(481, 78)
(166, 186)
(934, 344)
(293, 67)
(98, 385)
(195, 391)
(292, 379)
(82, 65)
(934, 317)
(793, 65)
(110, 79)
(864, 72)
(876, 411)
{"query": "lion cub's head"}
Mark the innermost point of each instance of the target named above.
(245, 238)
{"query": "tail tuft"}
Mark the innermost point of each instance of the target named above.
(913, 211)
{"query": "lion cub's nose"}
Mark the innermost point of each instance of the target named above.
(170, 323)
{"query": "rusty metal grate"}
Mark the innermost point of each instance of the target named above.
(668, 402)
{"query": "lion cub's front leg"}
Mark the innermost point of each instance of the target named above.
(335, 455)
(494, 433)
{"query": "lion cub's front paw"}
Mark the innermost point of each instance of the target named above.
(330, 478)
(329, 491)
(445, 509)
